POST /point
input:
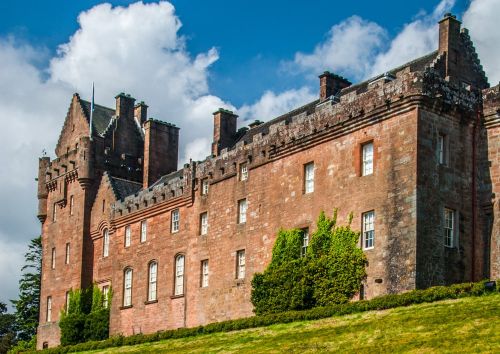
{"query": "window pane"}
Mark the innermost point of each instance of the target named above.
(449, 227)
(127, 236)
(243, 172)
(368, 229)
(67, 253)
(305, 241)
(144, 230)
(367, 159)
(204, 224)
(105, 251)
(152, 281)
(240, 265)
(204, 273)
(242, 215)
(175, 220)
(127, 293)
(179, 275)
(309, 178)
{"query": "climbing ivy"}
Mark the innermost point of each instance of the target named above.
(330, 273)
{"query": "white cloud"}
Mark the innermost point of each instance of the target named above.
(271, 105)
(358, 48)
(348, 48)
(481, 18)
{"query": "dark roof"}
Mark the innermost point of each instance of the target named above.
(166, 178)
(418, 64)
(123, 188)
(264, 127)
(101, 117)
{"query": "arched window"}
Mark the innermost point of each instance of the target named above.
(105, 243)
(127, 287)
(179, 275)
(153, 271)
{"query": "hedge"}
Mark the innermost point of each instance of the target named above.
(379, 303)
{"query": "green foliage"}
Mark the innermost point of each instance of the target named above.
(28, 304)
(331, 272)
(7, 329)
(86, 318)
(380, 303)
(24, 346)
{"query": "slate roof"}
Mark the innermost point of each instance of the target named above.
(101, 117)
(123, 188)
(166, 178)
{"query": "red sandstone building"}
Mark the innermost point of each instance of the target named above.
(414, 153)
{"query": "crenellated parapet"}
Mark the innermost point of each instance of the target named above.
(491, 106)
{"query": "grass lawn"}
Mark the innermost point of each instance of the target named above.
(468, 325)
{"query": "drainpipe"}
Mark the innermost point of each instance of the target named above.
(474, 194)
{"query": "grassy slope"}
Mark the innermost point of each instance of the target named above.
(465, 325)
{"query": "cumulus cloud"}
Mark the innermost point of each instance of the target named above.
(481, 18)
(271, 105)
(348, 48)
(360, 49)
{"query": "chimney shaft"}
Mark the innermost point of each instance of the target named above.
(124, 106)
(331, 84)
(224, 130)
(161, 146)
(141, 112)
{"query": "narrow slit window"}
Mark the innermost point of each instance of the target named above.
(204, 223)
(53, 259)
(49, 309)
(66, 260)
(305, 241)
(144, 230)
(309, 178)
(367, 159)
(127, 236)
(204, 273)
(105, 241)
(242, 211)
(240, 264)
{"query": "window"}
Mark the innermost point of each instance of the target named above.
(54, 212)
(442, 149)
(153, 267)
(49, 308)
(127, 287)
(105, 243)
(240, 264)
(449, 227)
(71, 205)
(103, 205)
(309, 177)
(127, 236)
(367, 159)
(66, 260)
(105, 296)
(305, 241)
(368, 229)
(144, 230)
(243, 172)
(204, 273)
(204, 186)
(175, 220)
(242, 211)
(179, 275)
(203, 223)
(53, 259)
(66, 306)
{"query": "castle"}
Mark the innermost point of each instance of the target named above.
(414, 153)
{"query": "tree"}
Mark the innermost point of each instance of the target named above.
(330, 273)
(7, 329)
(28, 304)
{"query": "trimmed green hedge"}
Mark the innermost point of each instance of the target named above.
(379, 303)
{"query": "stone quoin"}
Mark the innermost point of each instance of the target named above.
(414, 153)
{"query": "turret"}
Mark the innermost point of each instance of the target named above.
(85, 162)
(43, 164)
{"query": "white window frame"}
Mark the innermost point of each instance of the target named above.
(309, 177)
(66, 259)
(240, 264)
(242, 211)
(367, 159)
(153, 276)
(144, 231)
(204, 223)
(243, 171)
(204, 186)
(71, 205)
(449, 228)
(368, 230)
(127, 287)
(105, 243)
(442, 149)
(49, 309)
(53, 259)
(305, 241)
(179, 275)
(54, 212)
(105, 295)
(204, 273)
(175, 223)
(128, 236)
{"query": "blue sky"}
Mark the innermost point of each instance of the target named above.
(186, 59)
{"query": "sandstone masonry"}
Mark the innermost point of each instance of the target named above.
(114, 207)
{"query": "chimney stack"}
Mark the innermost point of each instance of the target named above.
(124, 106)
(449, 43)
(331, 84)
(141, 112)
(224, 130)
(161, 147)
